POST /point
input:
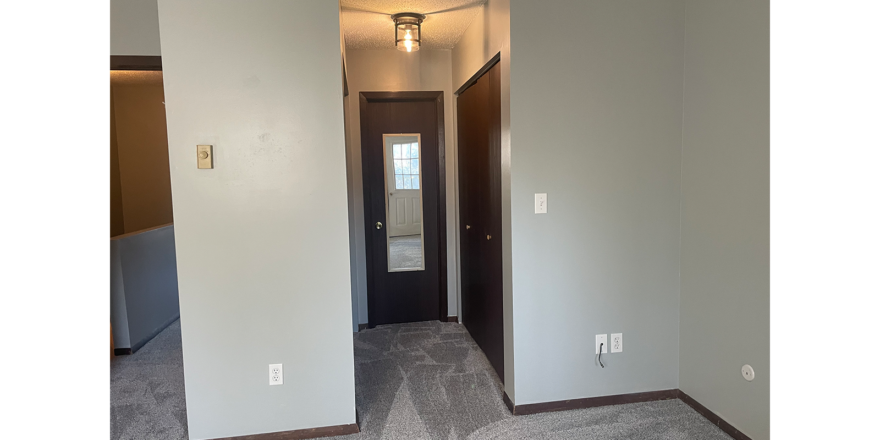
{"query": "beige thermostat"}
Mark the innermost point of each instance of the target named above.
(205, 156)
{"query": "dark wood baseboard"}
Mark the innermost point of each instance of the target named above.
(121, 351)
(712, 417)
(650, 396)
(590, 402)
(509, 403)
(452, 319)
(362, 327)
(300, 434)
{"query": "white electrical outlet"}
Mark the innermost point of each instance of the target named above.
(276, 374)
(616, 342)
(748, 372)
(602, 341)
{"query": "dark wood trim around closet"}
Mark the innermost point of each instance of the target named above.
(437, 97)
(452, 319)
(299, 434)
(133, 62)
(344, 80)
(493, 61)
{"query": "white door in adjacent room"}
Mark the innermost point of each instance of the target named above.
(402, 157)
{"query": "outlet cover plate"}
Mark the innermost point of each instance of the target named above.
(616, 342)
(603, 341)
(276, 374)
(541, 203)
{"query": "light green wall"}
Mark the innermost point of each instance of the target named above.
(725, 211)
(262, 239)
(134, 28)
(595, 117)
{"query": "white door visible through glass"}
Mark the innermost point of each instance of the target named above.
(403, 182)
(404, 195)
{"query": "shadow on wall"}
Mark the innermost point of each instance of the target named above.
(143, 287)
(140, 178)
(143, 272)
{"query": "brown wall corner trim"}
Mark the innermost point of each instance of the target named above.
(590, 402)
(135, 62)
(300, 434)
(121, 351)
(492, 61)
(712, 417)
(452, 319)
(509, 404)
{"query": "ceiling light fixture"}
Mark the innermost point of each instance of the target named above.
(408, 31)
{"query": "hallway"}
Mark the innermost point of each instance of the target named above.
(425, 380)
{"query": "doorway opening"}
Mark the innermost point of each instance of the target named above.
(411, 354)
(404, 173)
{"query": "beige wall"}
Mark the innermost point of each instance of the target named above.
(393, 71)
(142, 151)
(117, 222)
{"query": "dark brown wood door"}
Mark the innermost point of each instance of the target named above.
(412, 295)
(479, 162)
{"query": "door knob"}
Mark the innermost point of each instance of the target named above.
(378, 225)
(488, 237)
(468, 226)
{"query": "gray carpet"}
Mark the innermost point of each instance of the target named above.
(146, 390)
(406, 252)
(413, 381)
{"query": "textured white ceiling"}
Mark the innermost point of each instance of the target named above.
(367, 23)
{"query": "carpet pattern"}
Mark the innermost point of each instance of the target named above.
(147, 399)
(406, 252)
(430, 380)
(426, 380)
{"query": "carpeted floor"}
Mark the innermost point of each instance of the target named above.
(146, 390)
(406, 252)
(425, 380)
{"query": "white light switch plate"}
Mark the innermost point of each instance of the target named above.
(541, 203)
(616, 342)
(603, 341)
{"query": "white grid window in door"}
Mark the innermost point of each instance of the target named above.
(406, 165)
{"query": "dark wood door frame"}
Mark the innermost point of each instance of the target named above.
(437, 97)
(135, 62)
(489, 64)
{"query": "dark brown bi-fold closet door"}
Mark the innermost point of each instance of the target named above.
(479, 162)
